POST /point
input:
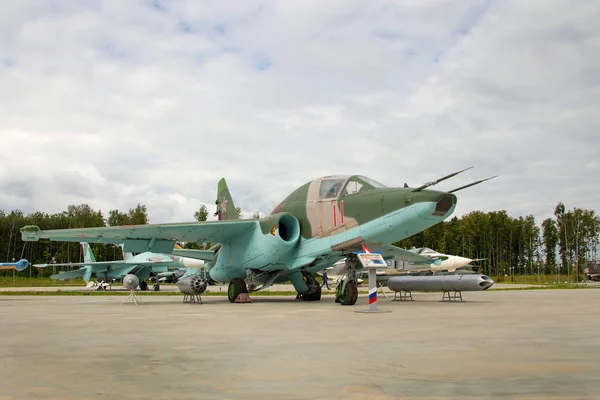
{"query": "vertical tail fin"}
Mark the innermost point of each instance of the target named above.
(126, 255)
(225, 207)
(88, 255)
(87, 275)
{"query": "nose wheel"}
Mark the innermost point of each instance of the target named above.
(348, 295)
(346, 292)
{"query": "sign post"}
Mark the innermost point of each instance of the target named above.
(372, 262)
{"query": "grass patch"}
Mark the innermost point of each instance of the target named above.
(23, 281)
(547, 287)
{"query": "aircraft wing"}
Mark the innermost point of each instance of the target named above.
(158, 238)
(108, 264)
(70, 275)
(396, 253)
(206, 255)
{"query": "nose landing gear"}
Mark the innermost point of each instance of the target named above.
(346, 292)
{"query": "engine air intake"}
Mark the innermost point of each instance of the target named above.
(443, 205)
(289, 228)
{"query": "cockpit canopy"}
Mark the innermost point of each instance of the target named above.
(425, 251)
(334, 186)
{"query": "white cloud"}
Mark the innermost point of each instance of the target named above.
(114, 103)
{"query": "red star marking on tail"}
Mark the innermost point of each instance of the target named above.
(224, 204)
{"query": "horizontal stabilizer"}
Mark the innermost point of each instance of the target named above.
(472, 184)
(439, 180)
(206, 255)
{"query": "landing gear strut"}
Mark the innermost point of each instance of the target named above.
(237, 292)
(314, 290)
(346, 292)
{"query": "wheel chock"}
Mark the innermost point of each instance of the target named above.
(243, 298)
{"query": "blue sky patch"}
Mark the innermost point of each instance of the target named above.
(158, 5)
(6, 61)
(261, 63)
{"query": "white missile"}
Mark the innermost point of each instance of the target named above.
(446, 283)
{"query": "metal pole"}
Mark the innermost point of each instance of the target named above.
(372, 289)
(372, 294)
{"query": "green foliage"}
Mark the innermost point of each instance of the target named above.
(550, 240)
(514, 245)
(135, 216)
(202, 214)
(76, 216)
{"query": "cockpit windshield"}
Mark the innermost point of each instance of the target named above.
(357, 184)
(330, 187)
(371, 182)
(352, 187)
(424, 251)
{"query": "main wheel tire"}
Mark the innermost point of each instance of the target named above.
(355, 296)
(157, 287)
(313, 296)
(349, 295)
(143, 285)
(236, 287)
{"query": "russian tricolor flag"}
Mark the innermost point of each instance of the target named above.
(372, 295)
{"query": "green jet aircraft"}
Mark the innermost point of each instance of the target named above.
(321, 222)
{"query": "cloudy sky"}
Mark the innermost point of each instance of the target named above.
(114, 103)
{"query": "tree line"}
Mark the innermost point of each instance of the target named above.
(506, 244)
(517, 245)
(76, 216)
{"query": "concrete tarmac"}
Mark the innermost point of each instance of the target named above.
(287, 287)
(535, 344)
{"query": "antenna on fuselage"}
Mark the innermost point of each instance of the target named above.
(439, 180)
(472, 184)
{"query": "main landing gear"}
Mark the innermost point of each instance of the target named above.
(346, 292)
(314, 289)
(237, 292)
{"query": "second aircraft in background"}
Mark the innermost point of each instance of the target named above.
(146, 266)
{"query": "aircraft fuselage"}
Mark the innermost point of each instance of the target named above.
(321, 230)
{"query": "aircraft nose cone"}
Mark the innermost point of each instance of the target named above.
(462, 261)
